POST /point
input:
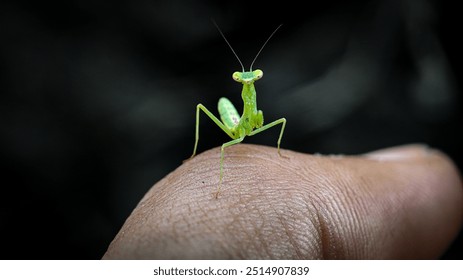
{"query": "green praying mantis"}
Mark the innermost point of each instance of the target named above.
(251, 121)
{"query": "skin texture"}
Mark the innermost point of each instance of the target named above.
(399, 203)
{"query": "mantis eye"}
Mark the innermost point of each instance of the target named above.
(237, 76)
(258, 74)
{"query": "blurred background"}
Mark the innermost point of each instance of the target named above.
(97, 100)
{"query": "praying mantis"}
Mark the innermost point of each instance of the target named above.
(251, 121)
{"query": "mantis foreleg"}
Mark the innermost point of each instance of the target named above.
(272, 124)
(214, 119)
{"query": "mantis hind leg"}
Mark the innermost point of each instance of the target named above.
(228, 144)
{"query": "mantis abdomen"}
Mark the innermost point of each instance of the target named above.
(228, 113)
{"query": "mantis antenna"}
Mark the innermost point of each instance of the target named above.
(220, 31)
(239, 60)
(271, 35)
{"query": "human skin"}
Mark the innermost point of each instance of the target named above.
(399, 203)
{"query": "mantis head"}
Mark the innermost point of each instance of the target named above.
(247, 77)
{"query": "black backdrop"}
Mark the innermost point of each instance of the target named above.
(98, 99)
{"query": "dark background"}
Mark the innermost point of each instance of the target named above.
(98, 98)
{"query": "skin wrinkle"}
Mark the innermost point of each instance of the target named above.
(204, 215)
(393, 210)
(265, 238)
(229, 227)
(322, 197)
(262, 242)
(201, 228)
(297, 177)
(314, 246)
(288, 232)
(298, 224)
(358, 208)
(345, 201)
(244, 207)
(325, 238)
(260, 190)
(187, 225)
(287, 227)
(242, 228)
(374, 213)
(234, 224)
(236, 246)
(308, 229)
(295, 245)
(365, 212)
(337, 229)
(259, 230)
(304, 222)
(351, 203)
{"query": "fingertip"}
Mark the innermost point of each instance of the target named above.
(427, 191)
